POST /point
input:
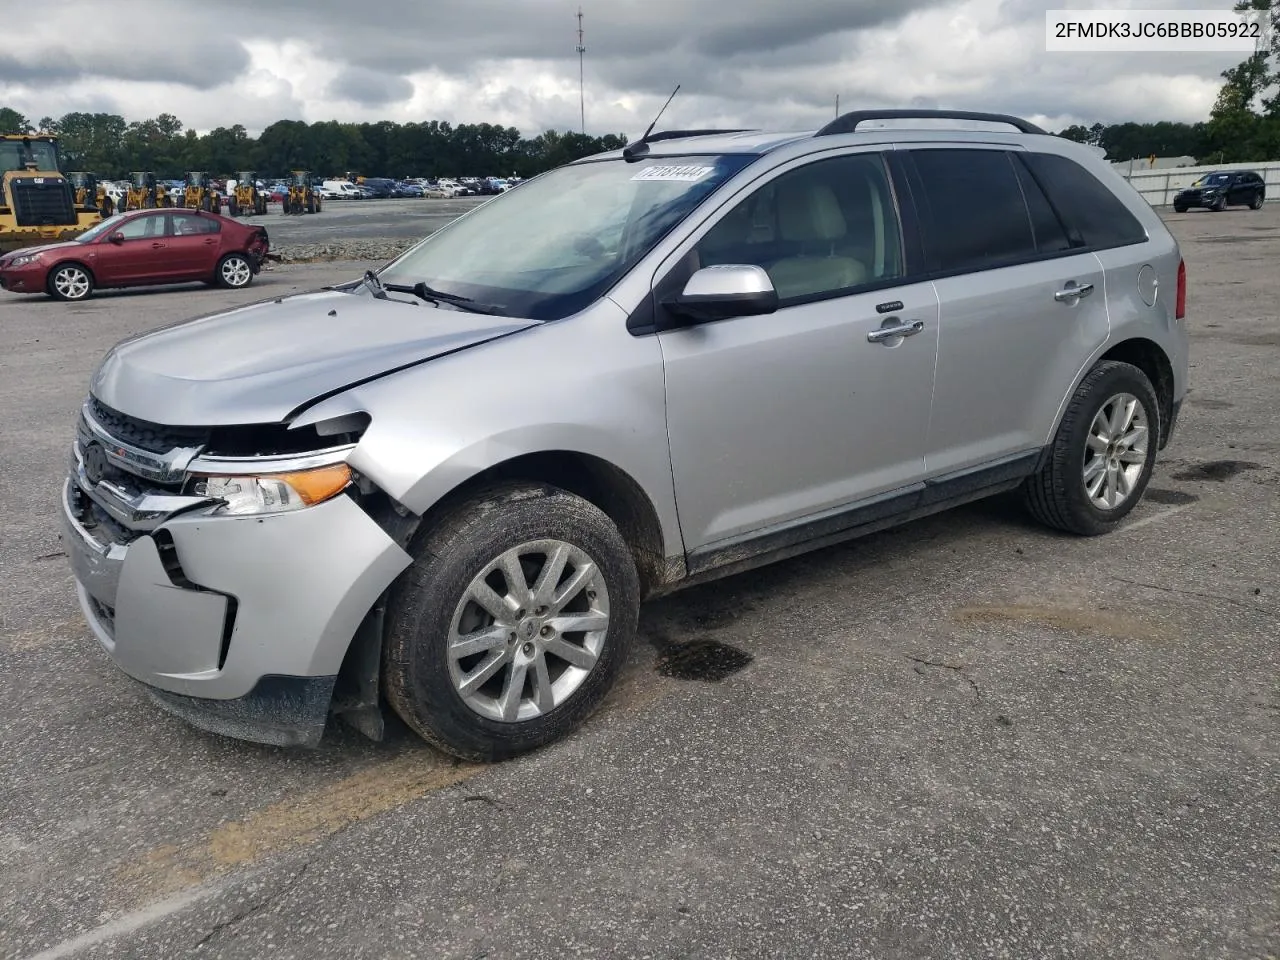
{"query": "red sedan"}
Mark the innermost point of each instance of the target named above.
(139, 248)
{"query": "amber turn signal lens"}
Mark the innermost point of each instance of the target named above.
(318, 485)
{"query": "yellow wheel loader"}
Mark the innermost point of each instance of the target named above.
(143, 193)
(246, 201)
(198, 194)
(303, 197)
(90, 195)
(37, 204)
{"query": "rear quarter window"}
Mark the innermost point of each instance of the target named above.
(1093, 215)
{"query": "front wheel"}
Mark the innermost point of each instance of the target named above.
(70, 281)
(1178, 208)
(234, 271)
(512, 624)
(1102, 455)
(1218, 205)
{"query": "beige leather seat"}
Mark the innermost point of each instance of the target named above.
(809, 214)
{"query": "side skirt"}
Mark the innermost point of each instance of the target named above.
(858, 520)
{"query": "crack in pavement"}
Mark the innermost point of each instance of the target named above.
(957, 669)
(254, 909)
(1243, 604)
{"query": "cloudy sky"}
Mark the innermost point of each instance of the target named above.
(777, 63)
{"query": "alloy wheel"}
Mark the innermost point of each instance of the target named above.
(236, 272)
(72, 283)
(1115, 451)
(528, 631)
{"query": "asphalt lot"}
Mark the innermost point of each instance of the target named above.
(363, 219)
(968, 737)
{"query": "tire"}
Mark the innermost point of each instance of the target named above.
(233, 208)
(1256, 202)
(1218, 205)
(70, 282)
(1179, 209)
(431, 602)
(311, 205)
(234, 272)
(1058, 495)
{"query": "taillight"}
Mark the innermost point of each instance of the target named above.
(1180, 309)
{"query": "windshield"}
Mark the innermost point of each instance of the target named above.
(562, 240)
(1212, 180)
(15, 155)
(96, 231)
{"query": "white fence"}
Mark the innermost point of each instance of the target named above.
(1159, 186)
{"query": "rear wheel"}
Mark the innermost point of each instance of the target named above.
(1256, 202)
(1179, 208)
(234, 271)
(233, 208)
(512, 624)
(70, 281)
(1102, 455)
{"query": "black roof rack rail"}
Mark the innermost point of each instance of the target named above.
(848, 122)
(640, 147)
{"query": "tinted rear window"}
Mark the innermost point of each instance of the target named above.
(1093, 215)
(975, 214)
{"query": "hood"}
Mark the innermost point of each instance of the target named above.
(28, 251)
(259, 363)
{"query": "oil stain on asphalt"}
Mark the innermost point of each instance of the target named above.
(1216, 470)
(1170, 498)
(707, 660)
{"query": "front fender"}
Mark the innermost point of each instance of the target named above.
(582, 385)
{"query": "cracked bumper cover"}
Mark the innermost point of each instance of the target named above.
(251, 640)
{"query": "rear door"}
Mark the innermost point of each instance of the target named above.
(138, 258)
(1020, 306)
(194, 245)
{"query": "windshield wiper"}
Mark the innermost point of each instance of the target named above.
(424, 292)
(375, 286)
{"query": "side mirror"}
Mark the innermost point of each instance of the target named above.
(116, 237)
(723, 291)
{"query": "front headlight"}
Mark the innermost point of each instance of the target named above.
(23, 261)
(274, 492)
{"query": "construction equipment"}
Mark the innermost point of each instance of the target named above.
(144, 193)
(302, 196)
(37, 204)
(91, 195)
(247, 201)
(198, 194)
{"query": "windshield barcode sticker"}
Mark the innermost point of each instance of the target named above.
(683, 174)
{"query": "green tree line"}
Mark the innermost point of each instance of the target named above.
(106, 144)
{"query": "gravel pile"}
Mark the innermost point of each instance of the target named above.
(357, 249)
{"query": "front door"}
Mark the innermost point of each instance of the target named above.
(792, 417)
(193, 246)
(137, 258)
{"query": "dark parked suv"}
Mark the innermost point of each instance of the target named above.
(1228, 188)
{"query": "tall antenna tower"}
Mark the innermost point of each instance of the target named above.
(582, 97)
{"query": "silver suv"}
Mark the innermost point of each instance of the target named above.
(448, 485)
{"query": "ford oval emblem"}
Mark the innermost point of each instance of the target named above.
(95, 462)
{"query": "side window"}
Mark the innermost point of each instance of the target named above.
(826, 228)
(189, 225)
(976, 216)
(141, 228)
(1094, 216)
(1049, 233)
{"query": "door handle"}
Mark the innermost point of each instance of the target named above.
(210, 242)
(1073, 292)
(909, 329)
(155, 246)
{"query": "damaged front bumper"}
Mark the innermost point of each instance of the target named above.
(237, 623)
